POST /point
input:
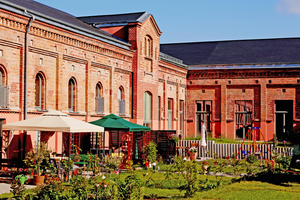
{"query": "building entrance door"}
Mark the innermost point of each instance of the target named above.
(203, 116)
(243, 118)
(283, 119)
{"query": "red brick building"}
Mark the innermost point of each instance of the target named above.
(86, 70)
(92, 66)
(232, 85)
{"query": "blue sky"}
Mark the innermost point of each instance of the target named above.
(201, 20)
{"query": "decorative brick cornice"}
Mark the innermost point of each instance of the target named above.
(240, 74)
(10, 111)
(10, 44)
(43, 52)
(182, 85)
(74, 59)
(161, 80)
(172, 83)
(94, 64)
(51, 35)
(165, 69)
(123, 71)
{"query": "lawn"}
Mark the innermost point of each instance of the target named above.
(166, 183)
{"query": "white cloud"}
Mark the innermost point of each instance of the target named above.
(289, 6)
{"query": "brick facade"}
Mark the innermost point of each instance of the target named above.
(181, 95)
(263, 88)
(59, 55)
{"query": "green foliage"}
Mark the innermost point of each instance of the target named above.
(81, 186)
(93, 164)
(112, 162)
(150, 151)
(173, 137)
(18, 189)
(35, 157)
(189, 173)
(251, 158)
(296, 150)
(67, 165)
(131, 188)
(193, 138)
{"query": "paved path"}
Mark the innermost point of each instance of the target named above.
(5, 187)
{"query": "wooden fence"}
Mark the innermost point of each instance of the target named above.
(224, 150)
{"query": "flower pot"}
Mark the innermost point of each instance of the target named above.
(193, 156)
(38, 180)
(21, 178)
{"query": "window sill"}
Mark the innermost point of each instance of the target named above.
(76, 114)
(98, 115)
(39, 110)
(229, 120)
(148, 73)
(190, 120)
(148, 58)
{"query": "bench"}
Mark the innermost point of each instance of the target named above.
(83, 159)
(9, 168)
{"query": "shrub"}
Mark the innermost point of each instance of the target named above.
(150, 151)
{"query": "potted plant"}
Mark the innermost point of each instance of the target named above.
(193, 153)
(173, 137)
(34, 160)
(76, 156)
(112, 163)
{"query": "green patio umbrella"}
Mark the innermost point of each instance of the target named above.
(114, 122)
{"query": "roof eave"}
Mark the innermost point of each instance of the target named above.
(70, 27)
(244, 66)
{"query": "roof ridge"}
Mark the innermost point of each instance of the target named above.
(241, 40)
(113, 14)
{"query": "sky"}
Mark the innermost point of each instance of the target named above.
(201, 20)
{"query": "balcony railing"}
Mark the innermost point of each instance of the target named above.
(100, 105)
(121, 107)
(4, 96)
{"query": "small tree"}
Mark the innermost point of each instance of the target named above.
(150, 151)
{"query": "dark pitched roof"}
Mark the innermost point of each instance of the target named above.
(116, 18)
(45, 10)
(283, 50)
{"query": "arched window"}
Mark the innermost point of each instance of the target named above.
(99, 100)
(72, 95)
(1, 78)
(121, 100)
(148, 47)
(147, 109)
(4, 89)
(39, 92)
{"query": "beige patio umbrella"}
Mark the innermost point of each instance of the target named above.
(53, 121)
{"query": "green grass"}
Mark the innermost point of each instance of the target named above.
(262, 186)
(253, 190)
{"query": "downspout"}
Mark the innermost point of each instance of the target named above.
(32, 18)
(132, 95)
